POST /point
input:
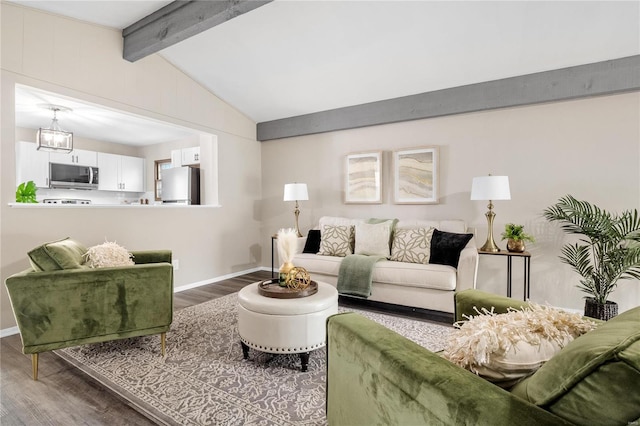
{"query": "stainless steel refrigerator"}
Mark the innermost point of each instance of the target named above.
(181, 185)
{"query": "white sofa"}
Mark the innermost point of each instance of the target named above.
(425, 286)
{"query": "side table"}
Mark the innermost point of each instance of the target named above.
(274, 239)
(526, 257)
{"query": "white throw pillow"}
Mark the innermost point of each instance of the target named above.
(411, 245)
(336, 241)
(373, 239)
(107, 255)
(505, 348)
(519, 360)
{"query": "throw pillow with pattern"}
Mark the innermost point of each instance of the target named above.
(336, 241)
(412, 245)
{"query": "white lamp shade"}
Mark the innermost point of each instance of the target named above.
(295, 192)
(490, 188)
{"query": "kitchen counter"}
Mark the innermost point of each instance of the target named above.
(108, 206)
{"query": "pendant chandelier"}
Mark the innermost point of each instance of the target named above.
(54, 138)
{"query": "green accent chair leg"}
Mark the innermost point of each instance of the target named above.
(163, 342)
(34, 365)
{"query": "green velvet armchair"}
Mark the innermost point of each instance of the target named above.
(375, 376)
(68, 304)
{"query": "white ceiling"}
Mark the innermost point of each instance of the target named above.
(114, 13)
(289, 58)
(93, 121)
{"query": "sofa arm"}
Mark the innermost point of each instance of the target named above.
(376, 376)
(466, 301)
(301, 242)
(151, 256)
(467, 270)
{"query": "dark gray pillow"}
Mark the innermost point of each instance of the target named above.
(446, 247)
(313, 242)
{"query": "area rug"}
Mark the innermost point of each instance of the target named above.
(204, 380)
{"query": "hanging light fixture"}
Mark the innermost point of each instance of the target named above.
(54, 138)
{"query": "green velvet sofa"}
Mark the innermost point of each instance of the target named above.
(68, 304)
(375, 377)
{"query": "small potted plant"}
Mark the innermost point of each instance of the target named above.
(515, 236)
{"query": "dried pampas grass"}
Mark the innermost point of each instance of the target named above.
(287, 244)
(108, 254)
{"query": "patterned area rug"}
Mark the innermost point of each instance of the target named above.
(204, 379)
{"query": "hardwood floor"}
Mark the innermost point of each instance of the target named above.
(63, 395)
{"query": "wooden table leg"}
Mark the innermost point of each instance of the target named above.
(245, 350)
(304, 359)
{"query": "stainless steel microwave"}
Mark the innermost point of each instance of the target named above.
(72, 176)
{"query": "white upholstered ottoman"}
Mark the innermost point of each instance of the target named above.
(282, 326)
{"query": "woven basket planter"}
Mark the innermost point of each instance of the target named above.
(599, 311)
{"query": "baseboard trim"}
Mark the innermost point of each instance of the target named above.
(220, 278)
(390, 308)
(9, 331)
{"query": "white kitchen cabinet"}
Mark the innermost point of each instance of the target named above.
(80, 157)
(132, 173)
(32, 164)
(185, 157)
(176, 158)
(108, 172)
(120, 173)
(191, 156)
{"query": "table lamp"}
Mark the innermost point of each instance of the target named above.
(296, 192)
(490, 188)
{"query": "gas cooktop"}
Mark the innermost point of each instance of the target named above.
(65, 201)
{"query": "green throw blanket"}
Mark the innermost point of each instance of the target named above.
(355, 275)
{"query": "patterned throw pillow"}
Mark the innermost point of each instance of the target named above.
(336, 241)
(412, 245)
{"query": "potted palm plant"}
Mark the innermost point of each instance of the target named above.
(608, 250)
(515, 236)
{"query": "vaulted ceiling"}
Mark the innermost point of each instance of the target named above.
(289, 58)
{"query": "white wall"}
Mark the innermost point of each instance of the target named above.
(588, 148)
(84, 61)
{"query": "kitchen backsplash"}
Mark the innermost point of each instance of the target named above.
(96, 197)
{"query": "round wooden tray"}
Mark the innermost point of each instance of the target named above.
(271, 288)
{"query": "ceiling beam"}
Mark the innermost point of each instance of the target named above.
(597, 79)
(178, 21)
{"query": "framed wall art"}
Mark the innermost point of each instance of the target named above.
(415, 175)
(363, 181)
